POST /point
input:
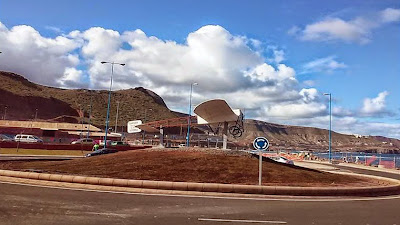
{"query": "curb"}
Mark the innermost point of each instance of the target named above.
(393, 188)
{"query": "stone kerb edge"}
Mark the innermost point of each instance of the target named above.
(214, 187)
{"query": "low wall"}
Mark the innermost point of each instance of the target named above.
(392, 187)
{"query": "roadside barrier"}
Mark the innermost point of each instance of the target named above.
(391, 186)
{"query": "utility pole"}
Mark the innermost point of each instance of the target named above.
(116, 118)
(190, 114)
(90, 114)
(330, 126)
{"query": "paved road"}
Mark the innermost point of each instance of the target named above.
(369, 172)
(36, 205)
(20, 204)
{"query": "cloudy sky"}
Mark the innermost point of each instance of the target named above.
(274, 59)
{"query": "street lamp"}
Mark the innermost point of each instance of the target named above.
(90, 114)
(116, 118)
(330, 125)
(109, 97)
(190, 114)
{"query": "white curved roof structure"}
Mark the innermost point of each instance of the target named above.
(216, 111)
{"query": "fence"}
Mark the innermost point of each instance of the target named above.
(390, 161)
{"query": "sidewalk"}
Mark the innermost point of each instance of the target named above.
(314, 165)
(351, 165)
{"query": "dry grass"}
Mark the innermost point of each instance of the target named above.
(190, 166)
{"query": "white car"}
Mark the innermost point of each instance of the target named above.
(27, 138)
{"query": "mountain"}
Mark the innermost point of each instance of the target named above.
(22, 98)
(310, 138)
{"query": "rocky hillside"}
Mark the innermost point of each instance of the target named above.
(20, 98)
(309, 138)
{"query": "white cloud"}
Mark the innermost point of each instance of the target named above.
(295, 110)
(341, 112)
(390, 15)
(265, 72)
(325, 65)
(375, 106)
(278, 55)
(309, 83)
(336, 29)
(42, 60)
(54, 29)
(294, 30)
(72, 78)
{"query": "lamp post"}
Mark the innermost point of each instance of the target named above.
(330, 126)
(109, 98)
(190, 114)
(116, 118)
(90, 114)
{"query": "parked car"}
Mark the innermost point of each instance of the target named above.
(119, 143)
(27, 138)
(83, 141)
(282, 159)
(182, 145)
(5, 138)
(102, 151)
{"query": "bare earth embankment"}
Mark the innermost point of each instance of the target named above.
(208, 166)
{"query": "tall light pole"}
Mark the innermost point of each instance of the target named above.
(190, 114)
(116, 118)
(90, 114)
(109, 98)
(330, 126)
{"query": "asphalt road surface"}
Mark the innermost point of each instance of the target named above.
(369, 172)
(22, 204)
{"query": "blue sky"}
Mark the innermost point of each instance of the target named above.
(348, 48)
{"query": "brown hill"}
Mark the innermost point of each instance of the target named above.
(310, 138)
(20, 99)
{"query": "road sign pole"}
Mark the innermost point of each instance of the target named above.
(259, 167)
(260, 144)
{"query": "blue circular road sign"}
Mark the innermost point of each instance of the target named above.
(261, 143)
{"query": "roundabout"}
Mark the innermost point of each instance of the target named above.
(32, 201)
